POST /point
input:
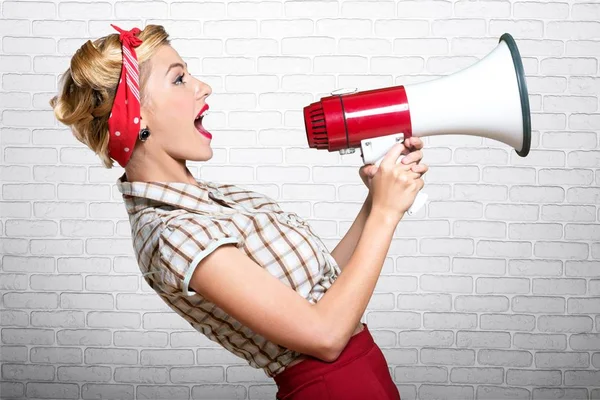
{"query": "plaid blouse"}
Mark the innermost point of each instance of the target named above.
(174, 225)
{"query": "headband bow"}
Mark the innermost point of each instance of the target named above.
(124, 120)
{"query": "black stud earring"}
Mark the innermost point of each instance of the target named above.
(144, 133)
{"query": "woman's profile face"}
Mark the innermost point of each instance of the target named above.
(174, 99)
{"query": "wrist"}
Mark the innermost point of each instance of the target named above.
(385, 218)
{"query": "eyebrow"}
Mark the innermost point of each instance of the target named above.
(177, 64)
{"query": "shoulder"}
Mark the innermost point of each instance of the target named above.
(199, 229)
(186, 239)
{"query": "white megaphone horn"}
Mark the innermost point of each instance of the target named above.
(487, 99)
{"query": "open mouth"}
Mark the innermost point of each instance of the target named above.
(198, 122)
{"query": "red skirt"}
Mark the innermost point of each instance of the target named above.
(360, 372)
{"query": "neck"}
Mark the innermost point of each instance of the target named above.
(151, 169)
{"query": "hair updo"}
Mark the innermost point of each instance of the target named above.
(89, 86)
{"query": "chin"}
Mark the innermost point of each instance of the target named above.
(203, 155)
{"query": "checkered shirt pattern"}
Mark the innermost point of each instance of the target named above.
(174, 225)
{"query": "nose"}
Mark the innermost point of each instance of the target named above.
(202, 89)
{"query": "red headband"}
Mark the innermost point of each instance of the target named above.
(124, 120)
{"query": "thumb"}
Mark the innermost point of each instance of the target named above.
(372, 170)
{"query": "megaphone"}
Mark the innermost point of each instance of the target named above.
(488, 99)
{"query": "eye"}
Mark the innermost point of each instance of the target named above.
(179, 79)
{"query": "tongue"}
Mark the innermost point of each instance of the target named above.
(200, 128)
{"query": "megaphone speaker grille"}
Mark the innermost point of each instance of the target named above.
(314, 118)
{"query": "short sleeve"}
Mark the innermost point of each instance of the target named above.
(187, 241)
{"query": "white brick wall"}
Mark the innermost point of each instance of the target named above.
(491, 292)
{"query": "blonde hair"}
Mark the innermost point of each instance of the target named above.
(89, 86)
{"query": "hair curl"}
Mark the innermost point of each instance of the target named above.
(89, 86)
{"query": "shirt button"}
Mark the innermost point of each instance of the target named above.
(293, 222)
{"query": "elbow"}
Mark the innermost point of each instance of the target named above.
(330, 341)
(328, 353)
(332, 354)
(331, 346)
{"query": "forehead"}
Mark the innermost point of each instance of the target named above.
(163, 57)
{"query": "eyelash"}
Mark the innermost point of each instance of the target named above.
(179, 79)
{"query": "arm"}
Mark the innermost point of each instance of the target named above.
(231, 280)
(344, 303)
(246, 291)
(344, 249)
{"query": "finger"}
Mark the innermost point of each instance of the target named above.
(368, 170)
(392, 155)
(415, 143)
(419, 168)
(414, 175)
(412, 157)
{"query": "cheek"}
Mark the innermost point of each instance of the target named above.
(179, 105)
(173, 111)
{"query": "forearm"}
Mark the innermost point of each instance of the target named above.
(344, 249)
(344, 303)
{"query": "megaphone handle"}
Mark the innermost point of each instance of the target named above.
(420, 198)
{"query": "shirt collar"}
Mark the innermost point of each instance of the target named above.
(200, 197)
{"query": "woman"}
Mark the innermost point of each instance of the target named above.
(129, 97)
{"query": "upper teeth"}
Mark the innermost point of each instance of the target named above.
(201, 114)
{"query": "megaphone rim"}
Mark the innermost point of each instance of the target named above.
(523, 93)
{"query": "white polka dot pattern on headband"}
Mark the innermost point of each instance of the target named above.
(126, 149)
(117, 133)
(136, 120)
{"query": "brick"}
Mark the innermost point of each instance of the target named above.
(564, 323)
(582, 378)
(502, 392)
(533, 304)
(559, 393)
(585, 341)
(502, 285)
(481, 303)
(513, 358)
(425, 338)
(447, 356)
(148, 375)
(537, 341)
(449, 321)
(483, 339)
(432, 392)
(477, 375)
(421, 374)
(559, 286)
(523, 377)
(577, 305)
(428, 302)
(562, 360)
(512, 322)
(49, 390)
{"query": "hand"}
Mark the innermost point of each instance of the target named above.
(413, 154)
